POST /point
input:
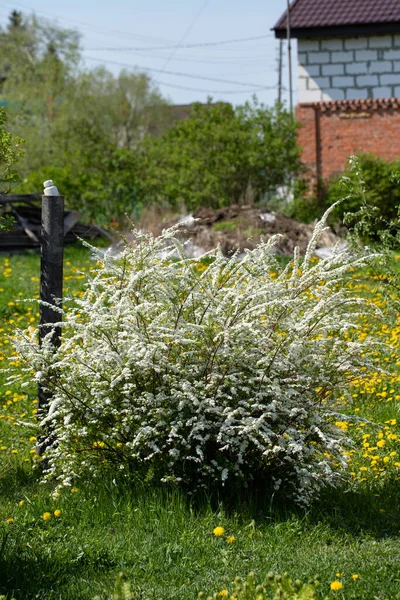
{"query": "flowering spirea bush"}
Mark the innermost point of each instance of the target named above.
(197, 374)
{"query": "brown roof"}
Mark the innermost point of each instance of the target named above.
(369, 104)
(336, 17)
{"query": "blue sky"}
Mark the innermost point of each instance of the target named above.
(151, 34)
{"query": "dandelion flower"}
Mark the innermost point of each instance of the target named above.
(74, 490)
(336, 586)
(21, 503)
(230, 539)
(10, 520)
(57, 513)
(46, 516)
(355, 576)
(218, 531)
(223, 593)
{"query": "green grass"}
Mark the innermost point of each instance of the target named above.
(162, 539)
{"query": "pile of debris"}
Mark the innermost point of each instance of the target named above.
(235, 228)
(26, 213)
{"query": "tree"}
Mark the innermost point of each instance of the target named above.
(124, 109)
(39, 62)
(217, 154)
(86, 123)
(10, 152)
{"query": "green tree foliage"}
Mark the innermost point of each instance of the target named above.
(10, 152)
(38, 61)
(81, 126)
(218, 154)
(371, 191)
(99, 191)
(109, 143)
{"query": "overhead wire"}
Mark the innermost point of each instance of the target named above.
(194, 45)
(188, 30)
(191, 89)
(173, 47)
(103, 31)
(175, 73)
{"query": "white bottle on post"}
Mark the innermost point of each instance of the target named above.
(50, 189)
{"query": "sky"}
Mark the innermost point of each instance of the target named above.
(178, 43)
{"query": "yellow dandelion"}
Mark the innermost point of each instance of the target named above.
(224, 593)
(230, 539)
(218, 531)
(21, 503)
(46, 516)
(57, 513)
(336, 586)
(10, 520)
(355, 576)
(74, 490)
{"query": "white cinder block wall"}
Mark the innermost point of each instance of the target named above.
(348, 68)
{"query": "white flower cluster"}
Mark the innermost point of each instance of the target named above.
(196, 374)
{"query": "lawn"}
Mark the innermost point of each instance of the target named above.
(73, 546)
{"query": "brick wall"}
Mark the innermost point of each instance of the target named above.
(330, 132)
(349, 68)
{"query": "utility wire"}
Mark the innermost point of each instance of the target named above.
(177, 74)
(103, 31)
(197, 45)
(188, 30)
(190, 89)
(228, 61)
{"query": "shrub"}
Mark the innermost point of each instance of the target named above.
(368, 181)
(200, 375)
(217, 155)
(99, 192)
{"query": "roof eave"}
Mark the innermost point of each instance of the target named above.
(338, 30)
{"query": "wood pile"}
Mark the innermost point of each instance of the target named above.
(26, 232)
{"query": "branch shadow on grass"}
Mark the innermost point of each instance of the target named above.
(374, 511)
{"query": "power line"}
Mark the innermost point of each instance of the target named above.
(263, 59)
(114, 32)
(103, 31)
(197, 45)
(190, 89)
(188, 30)
(177, 74)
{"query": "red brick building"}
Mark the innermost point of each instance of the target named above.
(348, 80)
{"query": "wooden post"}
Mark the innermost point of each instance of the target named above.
(51, 280)
(280, 65)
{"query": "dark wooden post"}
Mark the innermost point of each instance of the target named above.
(51, 280)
